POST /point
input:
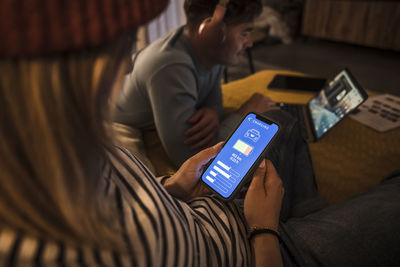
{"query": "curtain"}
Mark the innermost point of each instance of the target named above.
(171, 18)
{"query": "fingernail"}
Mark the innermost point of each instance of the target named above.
(262, 165)
(219, 144)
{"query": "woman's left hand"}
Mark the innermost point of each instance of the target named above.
(185, 184)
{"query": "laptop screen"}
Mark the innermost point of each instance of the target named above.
(337, 99)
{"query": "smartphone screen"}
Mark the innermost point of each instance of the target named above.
(297, 83)
(240, 155)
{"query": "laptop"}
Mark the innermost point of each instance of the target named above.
(339, 97)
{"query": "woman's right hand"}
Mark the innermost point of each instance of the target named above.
(262, 204)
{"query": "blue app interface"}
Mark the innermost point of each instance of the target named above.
(238, 155)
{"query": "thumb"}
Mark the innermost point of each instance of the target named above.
(258, 178)
(205, 155)
(271, 171)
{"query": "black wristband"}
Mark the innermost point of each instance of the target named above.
(256, 231)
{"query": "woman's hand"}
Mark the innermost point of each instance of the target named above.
(185, 184)
(263, 200)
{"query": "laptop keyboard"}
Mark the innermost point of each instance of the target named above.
(296, 111)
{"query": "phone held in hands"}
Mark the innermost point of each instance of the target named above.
(239, 158)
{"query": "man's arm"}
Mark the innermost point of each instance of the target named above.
(256, 103)
(204, 123)
(203, 129)
(214, 98)
(173, 97)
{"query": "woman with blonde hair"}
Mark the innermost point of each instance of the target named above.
(68, 196)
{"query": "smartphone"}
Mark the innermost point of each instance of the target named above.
(289, 82)
(239, 158)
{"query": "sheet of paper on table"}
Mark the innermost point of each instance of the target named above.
(381, 112)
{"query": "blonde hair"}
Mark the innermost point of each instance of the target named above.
(53, 143)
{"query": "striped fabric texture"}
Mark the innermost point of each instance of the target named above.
(158, 229)
(31, 27)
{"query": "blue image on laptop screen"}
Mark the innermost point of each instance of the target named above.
(335, 101)
(238, 155)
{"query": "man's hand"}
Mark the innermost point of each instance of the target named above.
(185, 184)
(205, 123)
(257, 103)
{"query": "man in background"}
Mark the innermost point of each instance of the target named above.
(175, 84)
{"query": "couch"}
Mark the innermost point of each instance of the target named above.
(347, 160)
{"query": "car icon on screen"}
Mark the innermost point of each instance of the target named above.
(252, 134)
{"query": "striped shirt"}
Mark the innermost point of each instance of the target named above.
(158, 229)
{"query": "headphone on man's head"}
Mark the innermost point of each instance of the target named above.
(212, 31)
